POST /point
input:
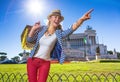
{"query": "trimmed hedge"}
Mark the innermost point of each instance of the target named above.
(110, 60)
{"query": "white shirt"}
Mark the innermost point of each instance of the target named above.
(46, 45)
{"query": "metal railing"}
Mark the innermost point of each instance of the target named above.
(18, 77)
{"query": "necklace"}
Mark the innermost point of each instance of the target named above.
(48, 33)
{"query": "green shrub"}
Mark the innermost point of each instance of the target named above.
(110, 60)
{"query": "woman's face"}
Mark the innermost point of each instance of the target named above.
(55, 20)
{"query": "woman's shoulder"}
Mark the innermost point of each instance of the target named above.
(44, 26)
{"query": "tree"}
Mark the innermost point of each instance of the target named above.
(110, 52)
(98, 50)
(24, 55)
(3, 56)
(3, 53)
(118, 55)
(27, 53)
(16, 58)
(20, 54)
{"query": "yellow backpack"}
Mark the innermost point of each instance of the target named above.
(26, 45)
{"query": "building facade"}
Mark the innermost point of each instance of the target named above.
(83, 45)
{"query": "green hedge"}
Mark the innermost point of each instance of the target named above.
(110, 60)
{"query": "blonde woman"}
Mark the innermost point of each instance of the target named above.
(48, 45)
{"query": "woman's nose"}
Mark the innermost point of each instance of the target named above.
(57, 18)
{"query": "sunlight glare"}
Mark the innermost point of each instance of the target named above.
(35, 7)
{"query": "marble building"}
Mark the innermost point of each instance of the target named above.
(83, 45)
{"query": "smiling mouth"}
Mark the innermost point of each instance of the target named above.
(56, 23)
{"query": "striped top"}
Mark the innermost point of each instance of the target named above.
(57, 52)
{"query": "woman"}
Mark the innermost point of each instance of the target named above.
(48, 45)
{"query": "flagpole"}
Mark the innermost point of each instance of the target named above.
(84, 40)
(85, 49)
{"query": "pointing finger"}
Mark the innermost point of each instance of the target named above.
(89, 11)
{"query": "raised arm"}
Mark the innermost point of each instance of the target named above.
(34, 29)
(32, 36)
(85, 17)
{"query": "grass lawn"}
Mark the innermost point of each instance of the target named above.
(74, 68)
(72, 71)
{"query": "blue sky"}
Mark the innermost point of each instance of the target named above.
(14, 16)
